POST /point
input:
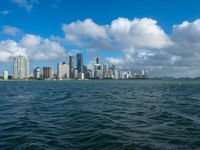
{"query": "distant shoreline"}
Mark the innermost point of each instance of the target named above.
(169, 79)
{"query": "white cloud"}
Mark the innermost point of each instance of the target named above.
(122, 33)
(10, 48)
(33, 46)
(139, 33)
(115, 61)
(9, 30)
(186, 37)
(142, 43)
(180, 59)
(26, 4)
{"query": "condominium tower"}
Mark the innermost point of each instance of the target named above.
(20, 67)
(63, 71)
(48, 73)
(79, 62)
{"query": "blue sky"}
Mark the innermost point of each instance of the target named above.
(54, 23)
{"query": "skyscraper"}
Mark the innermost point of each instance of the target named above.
(79, 62)
(97, 60)
(63, 71)
(48, 73)
(98, 70)
(36, 73)
(115, 72)
(5, 75)
(105, 71)
(20, 67)
(71, 66)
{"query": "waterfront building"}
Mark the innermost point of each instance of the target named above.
(92, 74)
(20, 67)
(110, 73)
(81, 76)
(63, 71)
(36, 73)
(115, 72)
(48, 73)
(142, 75)
(105, 71)
(79, 62)
(98, 70)
(75, 76)
(125, 75)
(88, 74)
(71, 66)
(5, 75)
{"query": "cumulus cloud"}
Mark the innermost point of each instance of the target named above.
(120, 34)
(144, 44)
(181, 58)
(139, 33)
(10, 30)
(141, 41)
(26, 4)
(10, 48)
(187, 39)
(33, 46)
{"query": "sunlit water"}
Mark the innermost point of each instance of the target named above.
(145, 114)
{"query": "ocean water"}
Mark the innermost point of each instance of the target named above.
(100, 115)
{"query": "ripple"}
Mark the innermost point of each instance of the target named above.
(109, 115)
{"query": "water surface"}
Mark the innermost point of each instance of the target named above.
(143, 114)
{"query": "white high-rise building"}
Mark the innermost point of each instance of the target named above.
(63, 71)
(5, 75)
(20, 67)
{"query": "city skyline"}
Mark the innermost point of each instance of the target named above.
(72, 69)
(152, 35)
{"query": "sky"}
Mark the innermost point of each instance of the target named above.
(162, 37)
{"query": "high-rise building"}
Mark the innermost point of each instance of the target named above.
(110, 73)
(20, 67)
(75, 74)
(98, 70)
(81, 76)
(63, 71)
(71, 66)
(5, 75)
(79, 62)
(88, 74)
(105, 71)
(48, 73)
(115, 72)
(36, 73)
(97, 60)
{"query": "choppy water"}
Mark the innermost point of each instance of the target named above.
(100, 115)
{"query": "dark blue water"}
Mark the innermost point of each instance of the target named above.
(108, 115)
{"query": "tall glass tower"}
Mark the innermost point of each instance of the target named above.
(71, 66)
(79, 62)
(20, 67)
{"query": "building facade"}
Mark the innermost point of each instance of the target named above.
(5, 75)
(36, 73)
(48, 73)
(20, 67)
(63, 71)
(79, 62)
